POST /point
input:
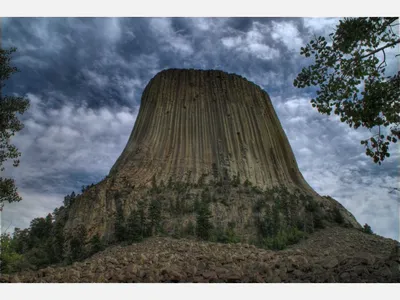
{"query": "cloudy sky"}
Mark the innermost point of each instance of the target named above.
(84, 79)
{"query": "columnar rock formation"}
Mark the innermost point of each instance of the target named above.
(200, 126)
(178, 177)
(192, 120)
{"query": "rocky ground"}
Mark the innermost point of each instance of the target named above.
(330, 255)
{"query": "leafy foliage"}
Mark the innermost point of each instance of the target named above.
(346, 64)
(9, 258)
(9, 125)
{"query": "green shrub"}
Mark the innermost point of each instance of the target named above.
(96, 245)
(236, 180)
(177, 231)
(337, 216)
(37, 257)
(227, 236)
(231, 236)
(294, 235)
(9, 258)
(200, 182)
(367, 229)
(317, 213)
(283, 239)
(256, 190)
(190, 229)
(77, 249)
(247, 183)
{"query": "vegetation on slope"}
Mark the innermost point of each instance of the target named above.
(279, 218)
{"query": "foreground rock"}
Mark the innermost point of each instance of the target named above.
(331, 255)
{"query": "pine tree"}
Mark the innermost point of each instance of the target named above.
(367, 229)
(96, 245)
(155, 216)
(276, 218)
(134, 228)
(77, 244)
(58, 241)
(267, 224)
(142, 218)
(120, 230)
(203, 221)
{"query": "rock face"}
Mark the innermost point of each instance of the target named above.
(203, 122)
(201, 128)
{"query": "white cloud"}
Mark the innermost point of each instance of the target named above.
(252, 42)
(174, 41)
(288, 34)
(231, 42)
(320, 25)
(112, 29)
(266, 79)
(127, 86)
(215, 25)
(70, 139)
(202, 24)
(95, 78)
(50, 40)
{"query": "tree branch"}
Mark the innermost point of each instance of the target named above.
(384, 59)
(381, 48)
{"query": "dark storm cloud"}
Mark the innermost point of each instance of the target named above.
(85, 77)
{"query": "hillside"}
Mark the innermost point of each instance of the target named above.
(331, 255)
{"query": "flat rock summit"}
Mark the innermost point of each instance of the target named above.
(207, 189)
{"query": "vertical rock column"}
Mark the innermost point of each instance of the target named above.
(191, 120)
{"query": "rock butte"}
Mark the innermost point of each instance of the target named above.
(195, 124)
(201, 128)
(190, 120)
